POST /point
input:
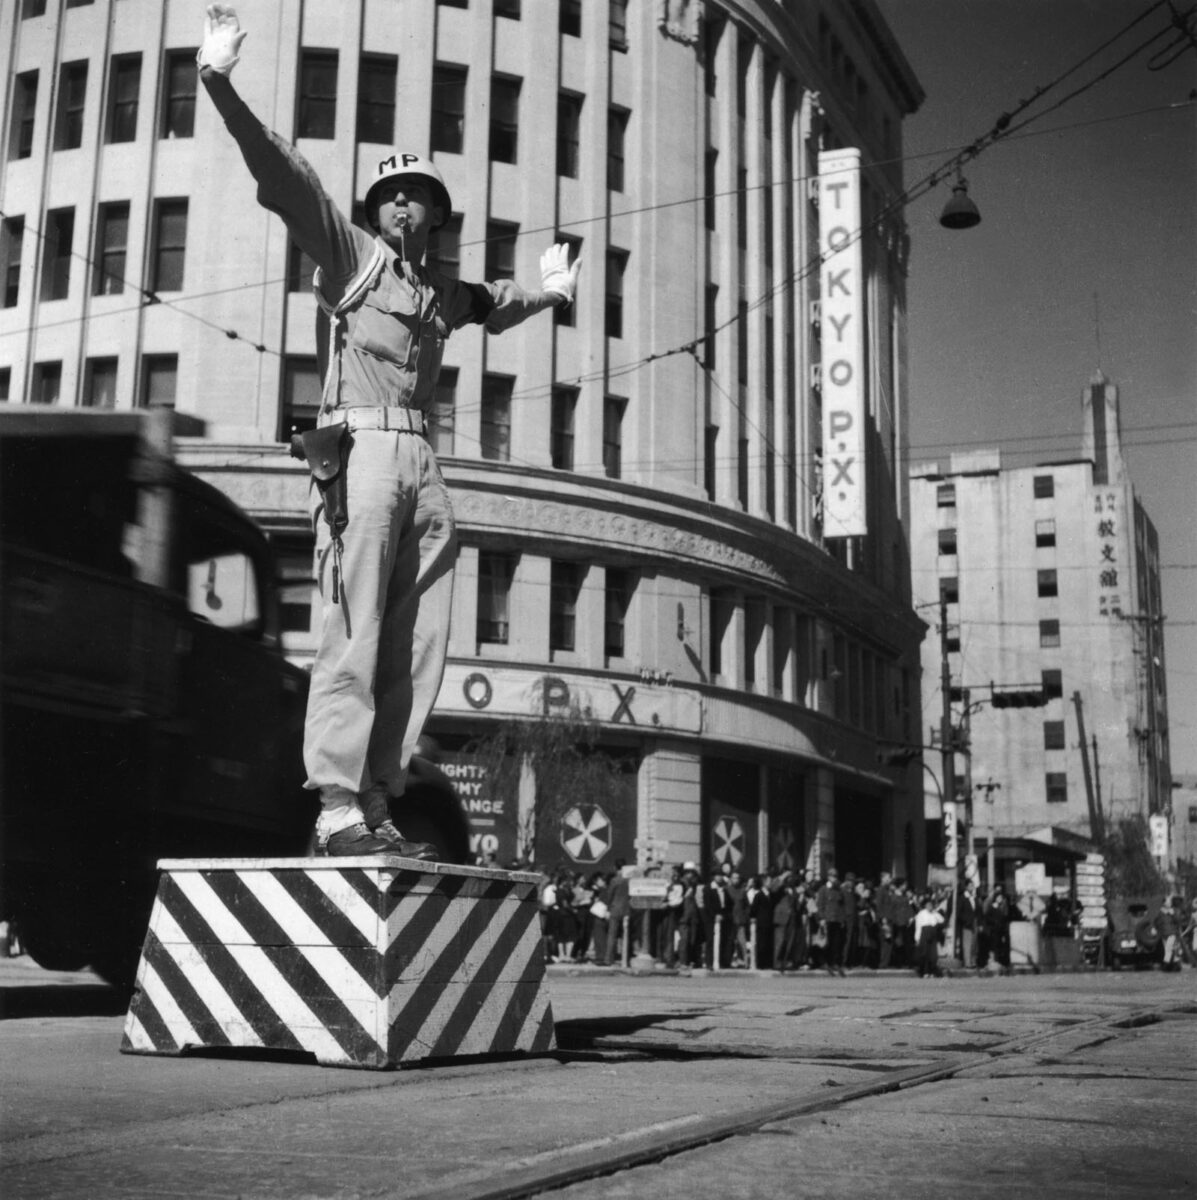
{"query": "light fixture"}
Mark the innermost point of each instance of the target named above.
(960, 212)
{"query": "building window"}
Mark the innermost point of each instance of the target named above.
(1057, 787)
(613, 410)
(47, 383)
(710, 452)
(742, 338)
(496, 417)
(112, 246)
(569, 18)
(376, 84)
(951, 643)
(33, 8)
(159, 380)
(617, 132)
(170, 244)
(444, 253)
(949, 589)
(708, 187)
(947, 542)
(1052, 684)
(72, 96)
(565, 315)
(1044, 486)
(442, 426)
(504, 118)
(1053, 735)
(24, 109)
(565, 584)
(99, 383)
(617, 262)
(561, 427)
(178, 95)
(448, 109)
(453, 3)
(1049, 633)
(617, 601)
(301, 396)
(618, 24)
(293, 559)
(317, 94)
(124, 88)
(300, 269)
(508, 8)
(12, 238)
(56, 269)
(710, 319)
(5, 384)
(569, 132)
(500, 249)
(1045, 533)
(945, 495)
(495, 573)
(1047, 584)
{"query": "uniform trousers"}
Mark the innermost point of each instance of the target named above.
(383, 642)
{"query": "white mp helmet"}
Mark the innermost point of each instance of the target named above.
(402, 163)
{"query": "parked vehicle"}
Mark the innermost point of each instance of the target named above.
(1132, 938)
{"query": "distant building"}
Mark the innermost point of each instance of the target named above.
(1051, 577)
(650, 527)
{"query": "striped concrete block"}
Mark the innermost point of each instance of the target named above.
(365, 962)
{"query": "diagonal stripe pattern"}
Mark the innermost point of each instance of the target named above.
(361, 962)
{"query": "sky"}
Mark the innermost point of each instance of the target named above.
(1085, 258)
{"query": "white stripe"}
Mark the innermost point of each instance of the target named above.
(209, 989)
(363, 915)
(308, 1030)
(327, 960)
(172, 1016)
(304, 1025)
(136, 1035)
(449, 923)
(480, 1037)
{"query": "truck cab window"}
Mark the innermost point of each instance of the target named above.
(223, 589)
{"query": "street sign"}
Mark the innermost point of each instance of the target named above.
(647, 892)
(1159, 834)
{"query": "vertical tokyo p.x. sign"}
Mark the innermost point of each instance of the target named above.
(842, 295)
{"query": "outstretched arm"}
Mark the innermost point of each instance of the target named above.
(287, 184)
(558, 283)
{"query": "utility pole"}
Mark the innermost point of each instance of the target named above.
(948, 748)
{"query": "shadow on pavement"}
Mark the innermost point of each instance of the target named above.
(57, 1000)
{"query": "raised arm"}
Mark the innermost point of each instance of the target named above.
(287, 184)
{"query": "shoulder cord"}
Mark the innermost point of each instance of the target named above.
(350, 298)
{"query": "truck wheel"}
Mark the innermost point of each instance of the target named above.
(51, 939)
(1146, 933)
(430, 810)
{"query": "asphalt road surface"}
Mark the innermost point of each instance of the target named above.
(728, 1085)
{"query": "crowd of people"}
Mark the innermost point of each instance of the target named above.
(785, 920)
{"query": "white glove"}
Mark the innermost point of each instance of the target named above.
(223, 36)
(557, 276)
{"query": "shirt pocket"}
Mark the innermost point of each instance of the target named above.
(387, 324)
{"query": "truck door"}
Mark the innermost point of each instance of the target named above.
(239, 763)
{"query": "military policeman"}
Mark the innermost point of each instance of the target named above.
(386, 578)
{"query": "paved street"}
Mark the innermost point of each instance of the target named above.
(738, 1085)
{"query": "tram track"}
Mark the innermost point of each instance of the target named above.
(609, 1155)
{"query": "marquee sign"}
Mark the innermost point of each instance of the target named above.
(843, 367)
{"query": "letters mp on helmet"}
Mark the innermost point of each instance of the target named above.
(401, 163)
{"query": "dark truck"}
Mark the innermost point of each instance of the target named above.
(147, 709)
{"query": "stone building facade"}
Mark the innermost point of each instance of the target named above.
(639, 484)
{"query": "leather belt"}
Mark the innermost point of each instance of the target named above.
(402, 420)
